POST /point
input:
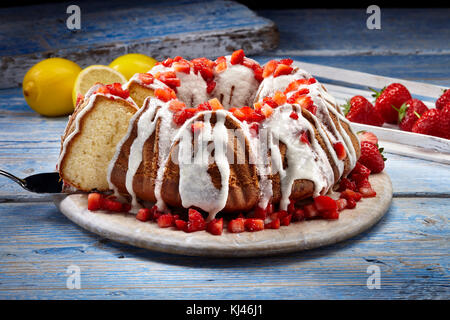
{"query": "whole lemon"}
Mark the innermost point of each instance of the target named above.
(132, 63)
(47, 86)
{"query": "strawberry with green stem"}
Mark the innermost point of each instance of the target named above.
(409, 113)
(394, 95)
(360, 110)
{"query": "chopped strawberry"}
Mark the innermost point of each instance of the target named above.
(304, 137)
(181, 224)
(351, 203)
(176, 105)
(310, 211)
(239, 114)
(294, 115)
(269, 68)
(180, 117)
(296, 95)
(94, 201)
(262, 213)
(266, 110)
(359, 173)
(165, 94)
(294, 85)
(215, 227)
(299, 215)
(254, 225)
(237, 57)
(367, 136)
(220, 66)
(210, 86)
(279, 98)
(287, 62)
(274, 224)
(196, 221)
(341, 204)
(366, 190)
(165, 220)
(269, 101)
(291, 207)
(340, 150)
(350, 194)
(285, 221)
(167, 63)
(258, 105)
(282, 70)
(325, 203)
(146, 78)
(330, 215)
(144, 214)
(112, 205)
(236, 225)
(258, 73)
(254, 129)
(346, 184)
(182, 67)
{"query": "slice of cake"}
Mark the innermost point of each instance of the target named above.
(97, 125)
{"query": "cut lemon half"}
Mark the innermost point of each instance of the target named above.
(92, 75)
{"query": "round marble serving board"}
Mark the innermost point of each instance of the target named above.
(125, 228)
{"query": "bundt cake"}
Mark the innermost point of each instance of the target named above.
(220, 136)
(89, 141)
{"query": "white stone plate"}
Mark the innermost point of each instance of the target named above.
(125, 228)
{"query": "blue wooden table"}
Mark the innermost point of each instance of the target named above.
(39, 247)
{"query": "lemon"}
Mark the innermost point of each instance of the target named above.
(47, 86)
(132, 63)
(93, 74)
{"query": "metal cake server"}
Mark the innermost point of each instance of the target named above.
(49, 182)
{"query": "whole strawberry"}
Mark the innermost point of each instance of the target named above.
(443, 99)
(444, 127)
(371, 157)
(409, 113)
(360, 110)
(429, 123)
(395, 95)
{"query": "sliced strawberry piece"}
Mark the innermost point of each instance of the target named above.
(181, 224)
(311, 211)
(294, 115)
(291, 207)
(215, 104)
(182, 67)
(330, 215)
(346, 184)
(237, 57)
(286, 220)
(215, 227)
(367, 136)
(221, 67)
(341, 204)
(274, 224)
(176, 105)
(165, 94)
(325, 203)
(340, 150)
(94, 201)
(210, 86)
(111, 205)
(366, 190)
(167, 63)
(279, 215)
(287, 62)
(279, 98)
(165, 220)
(350, 194)
(236, 225)
(146, 78)
(304, 137)
(254, 129)
(351, 203)
(299, 215)
(269, 68)
(266, 110)
(282, 70)
(258, 73)
(239, 114)
(254, 225)
(144, 215)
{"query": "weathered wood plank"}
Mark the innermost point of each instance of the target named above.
(343, 32)
(410, 245)
(158, 29)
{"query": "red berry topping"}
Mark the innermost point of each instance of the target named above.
(146, 78)
(215, 227)
(294, 115)
(236, 225)
(269, 68)
(325, 203)
(165, 94)
(176, 105)
(287, 62)
(94, 201)
(274, 224)
(304, 137)
(254, 225)
(311, 211)
(210, 86)
(165, 220)
(282, 70)
(182, 66)
(340, 150)
(367, 136)
(237, 57)
(144, 214)
(196, 221)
